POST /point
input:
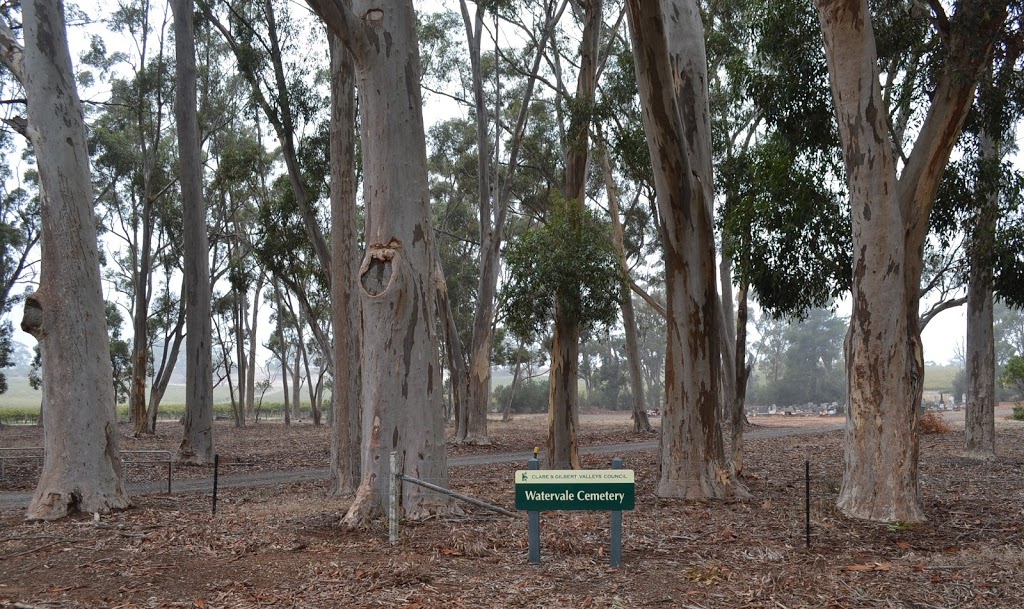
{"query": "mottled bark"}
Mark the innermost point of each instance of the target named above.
(456, 359)
(197, 440)
(979, 418)
(885, 367)
(81, 469)
(671, 70)
(401, 385)
(345, 305)
(562, 450)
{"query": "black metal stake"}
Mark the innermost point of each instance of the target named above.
(807, 501)
(216, 468)
(169, 462)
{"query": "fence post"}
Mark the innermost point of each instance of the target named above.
(616, 553)
(393, 493)
(216, 470)
(534, 556)
(807, 501)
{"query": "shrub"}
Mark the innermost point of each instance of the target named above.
(1018, 413)
(932, 422)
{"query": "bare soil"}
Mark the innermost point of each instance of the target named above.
(283, 546)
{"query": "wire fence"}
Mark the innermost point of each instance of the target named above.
(145, 471)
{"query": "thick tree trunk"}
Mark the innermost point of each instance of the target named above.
(197, 442)
(563, 388)
(673, 92)
(890, 220)
(81, 468)
(345, 306)
(636, 380)
(979, 418)
(402, 392)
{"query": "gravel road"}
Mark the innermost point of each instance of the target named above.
(15, 501)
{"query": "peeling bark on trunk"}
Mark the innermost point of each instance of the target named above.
(671, 73)
(890, 221)
(196, 446)
(979, 418)
(562, 451)
(345, 306)
(402, 393)
(81, 468)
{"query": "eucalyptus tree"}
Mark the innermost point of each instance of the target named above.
(346, 311)
(983, 193)
(889, 215)
(402, 408)
(196, 445)
(264, 38)
(671, 69)
(81, 467)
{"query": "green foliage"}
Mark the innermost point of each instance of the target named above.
(1018, 413)
(1013, 375)
(529, 396)
(791, 236)
(571, 262)
(802, 361)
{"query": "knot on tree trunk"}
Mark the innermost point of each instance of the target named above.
(32, 317)
(378, 270)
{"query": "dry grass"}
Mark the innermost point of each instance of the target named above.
(933, 423)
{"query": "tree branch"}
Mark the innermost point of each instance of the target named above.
(338, 16)
(12, 54)
(939, 307)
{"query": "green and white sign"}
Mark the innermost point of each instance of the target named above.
(569, 489)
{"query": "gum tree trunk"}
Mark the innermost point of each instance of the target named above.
(345, 306)
(884, 360)
(81, 469)
(196, 446)
(401, 382)
(979, 418)
(671, 69)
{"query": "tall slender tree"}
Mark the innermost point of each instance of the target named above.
(197, 440)
(671, 69)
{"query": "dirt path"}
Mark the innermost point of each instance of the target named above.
(16, 500)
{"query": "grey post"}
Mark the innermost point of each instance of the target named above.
(616, 553)
(393, 492)
(534, 558)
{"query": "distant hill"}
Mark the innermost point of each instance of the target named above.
(939, 378)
